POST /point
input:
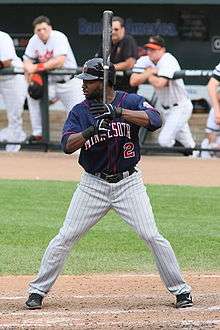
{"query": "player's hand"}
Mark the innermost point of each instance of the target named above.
(149, 72)
(108, 111)
(101, 127)
(29, 68)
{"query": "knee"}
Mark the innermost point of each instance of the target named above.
(67, 237)
(165, 141)
(150, 239)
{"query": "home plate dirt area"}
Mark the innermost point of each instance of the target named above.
(111, 301)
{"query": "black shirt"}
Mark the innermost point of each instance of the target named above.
(124, 49)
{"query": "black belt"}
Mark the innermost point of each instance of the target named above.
(168, 107)
(114, 178)
(64, 81)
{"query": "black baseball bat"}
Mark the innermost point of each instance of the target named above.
(106, 48)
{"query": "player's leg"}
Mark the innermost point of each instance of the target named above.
(212, 131)
(89, 203)
(35, 116)
(175, 120)
(132, 203)
(70, 93)
(14, 92)
(184, 136)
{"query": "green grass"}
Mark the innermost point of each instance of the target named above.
(31, 213)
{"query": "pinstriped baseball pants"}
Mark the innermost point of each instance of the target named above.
(92, 199)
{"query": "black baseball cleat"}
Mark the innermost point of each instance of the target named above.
(34, 301)
(184, 300)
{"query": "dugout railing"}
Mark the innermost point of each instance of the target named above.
(146, 147)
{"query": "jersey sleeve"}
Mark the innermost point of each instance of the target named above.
(167, 66)
(216, 72)
(142, 63)
(71, 126)
(152, 113)
(7, 52)
(61, 45)
(30, 50)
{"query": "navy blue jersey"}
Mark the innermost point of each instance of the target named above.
(120, 150)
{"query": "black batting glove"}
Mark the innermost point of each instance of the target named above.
(100, 127)
(103, 110)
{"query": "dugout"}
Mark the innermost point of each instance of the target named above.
(190, 27)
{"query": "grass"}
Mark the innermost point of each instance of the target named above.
(31, 213)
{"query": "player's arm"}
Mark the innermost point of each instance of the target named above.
(5, 64)
(74, 137)
(139, 118)
(149, 118)
(143, 114)
(7, 52)
(125, 65)
(137, 79)
(212, 86)
(155, 80)
(52, 63)
(72, 142)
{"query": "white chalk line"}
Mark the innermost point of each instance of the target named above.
(97, 296)
(39, 313)
(157, 275)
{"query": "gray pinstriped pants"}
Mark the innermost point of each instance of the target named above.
(92, 199)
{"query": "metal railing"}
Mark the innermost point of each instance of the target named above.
(44, 105)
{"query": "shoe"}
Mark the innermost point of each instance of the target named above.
(34, 301)
(184, 300)
(34, 139)
(12, 147)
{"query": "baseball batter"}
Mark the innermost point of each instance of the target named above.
(212, 140)
(13, 90)
(108, 138)
(175, 105)
(47, 50)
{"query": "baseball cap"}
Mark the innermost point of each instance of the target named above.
(155, 42)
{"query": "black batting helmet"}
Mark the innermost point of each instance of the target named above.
(93, 70)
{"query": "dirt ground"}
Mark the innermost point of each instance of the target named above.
(111, 301)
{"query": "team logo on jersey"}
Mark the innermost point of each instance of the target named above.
(44, 57)
(118, 129)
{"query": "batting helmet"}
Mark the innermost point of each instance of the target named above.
(93, 70)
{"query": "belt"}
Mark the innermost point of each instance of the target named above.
(114, 178)
(64, 81)
(168, 107)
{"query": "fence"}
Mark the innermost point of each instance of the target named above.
(44, 103)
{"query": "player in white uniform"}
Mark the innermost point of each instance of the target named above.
(13, 90)
(212, 141)
(175, 105)
(47, 50)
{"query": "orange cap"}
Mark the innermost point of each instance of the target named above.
(153, 45)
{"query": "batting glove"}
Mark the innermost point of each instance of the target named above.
(100, 127)
(103, 110)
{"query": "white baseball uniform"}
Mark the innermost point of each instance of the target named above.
(175, 105)
(13, 89)
(211, 126)
(68, 90)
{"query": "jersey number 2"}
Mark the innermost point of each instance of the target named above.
(129, 150)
